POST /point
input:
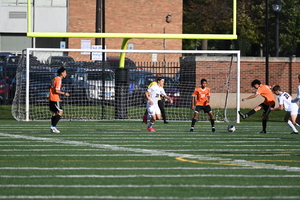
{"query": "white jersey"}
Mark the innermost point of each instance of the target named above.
(298, 96)
(155, 92)
(286, 100)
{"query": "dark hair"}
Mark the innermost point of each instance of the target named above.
(299, 76)
(203, 80)
(159, 78)
(256, 81)
(276, 88)
(61, 70)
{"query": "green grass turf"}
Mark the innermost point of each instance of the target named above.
(122, 160)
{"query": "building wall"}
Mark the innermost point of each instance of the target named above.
(128, 16)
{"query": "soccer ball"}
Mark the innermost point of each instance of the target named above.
(231, 128)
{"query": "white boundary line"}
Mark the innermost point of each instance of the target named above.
(225, 161)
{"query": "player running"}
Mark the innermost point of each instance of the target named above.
(264, 91)
(152, 94)
(285, 102)
(202, 96)
(54, 104)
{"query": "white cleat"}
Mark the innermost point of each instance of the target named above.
(54, 130)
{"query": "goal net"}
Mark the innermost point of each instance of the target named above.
(100, 90)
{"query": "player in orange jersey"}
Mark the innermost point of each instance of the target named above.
(54, 104)
(266, 92)
(200, 101)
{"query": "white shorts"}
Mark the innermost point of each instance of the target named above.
(294, 110)
(153, 109)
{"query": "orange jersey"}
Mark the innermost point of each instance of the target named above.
(201, 96)
(265, 92)
(55, 85)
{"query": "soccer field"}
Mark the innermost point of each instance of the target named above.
(122, 160)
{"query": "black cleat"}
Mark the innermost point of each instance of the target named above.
(213, 130)
(244, 116)
(294, 132)
(263, 132)
(165, 122)
(192, 130)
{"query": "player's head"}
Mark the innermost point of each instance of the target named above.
(62, 72)
(255, 83)
(299, 77)
(276, 89)
(203, 83)
(160, 81)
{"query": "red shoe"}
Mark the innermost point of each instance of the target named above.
(145, 120)
(151, 129)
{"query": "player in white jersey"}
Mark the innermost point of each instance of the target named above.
(152, 94)
(285, 102)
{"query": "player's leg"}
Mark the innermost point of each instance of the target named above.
(145, 117)
(265, 115)
(196, 114)
(161, 106)
(251, 112)
(154, 111)
(292, 122)
(57, 111)
(212, 121)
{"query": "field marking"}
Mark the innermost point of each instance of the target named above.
(145, 197)
(202, 158)
(152, 176)
(148, 186)
(175, 150)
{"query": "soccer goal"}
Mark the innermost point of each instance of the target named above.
(101, 90)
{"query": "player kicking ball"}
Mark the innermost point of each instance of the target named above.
(153, 94)
(285, 102)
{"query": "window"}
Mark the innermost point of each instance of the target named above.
(53, 3)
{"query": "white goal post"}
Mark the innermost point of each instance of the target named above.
(100, 90)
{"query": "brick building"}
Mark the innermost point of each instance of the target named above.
(128, 16)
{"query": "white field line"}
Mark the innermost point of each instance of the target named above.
(124, 168)
(182, 150)
(225, 161)
(153, 176)
(150, 186)
(147, 197)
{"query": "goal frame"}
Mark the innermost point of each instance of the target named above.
(30, 50)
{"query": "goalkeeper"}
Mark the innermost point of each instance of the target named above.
(54, 104)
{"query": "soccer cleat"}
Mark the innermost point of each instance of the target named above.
(213, 129)
(192, 129)
(244, 116)
(165, 122)
(151, 129)
(294, 132)
(54, 130)
(263, 132)
(145, 120)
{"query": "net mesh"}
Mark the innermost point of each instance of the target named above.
(101, 91)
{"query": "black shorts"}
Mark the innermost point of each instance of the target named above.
(266, 108)
(206, 109)
(55, 106)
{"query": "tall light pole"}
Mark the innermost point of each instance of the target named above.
(267, 41)
(277, 6)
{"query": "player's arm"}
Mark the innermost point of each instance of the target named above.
(280, 107)
(208, 98)
(147, 95)
(251, 97)
(58, 91)
(193, 102)
(297, 98)
(169, 98)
